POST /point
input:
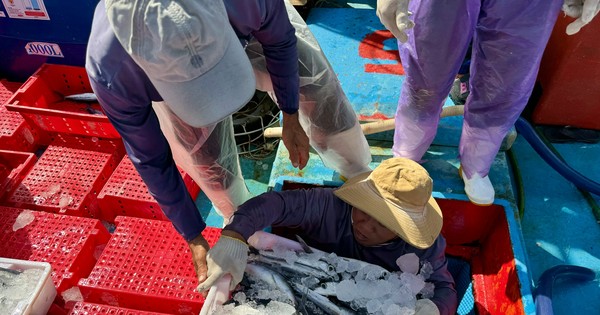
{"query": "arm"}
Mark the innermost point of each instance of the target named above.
(268, 22)
(296, 208)
(125, 94)
(445, 297)
(302, 209)
(151, 156)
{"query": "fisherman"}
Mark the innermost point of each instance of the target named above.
(168, 75)
(376, 217)
(508, 40)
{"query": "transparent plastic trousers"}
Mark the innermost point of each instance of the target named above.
(325, 112)
(209, 156)
(509, 38)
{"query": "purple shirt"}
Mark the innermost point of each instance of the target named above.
(324, 221)
(126, 94)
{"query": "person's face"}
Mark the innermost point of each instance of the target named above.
(368, 231)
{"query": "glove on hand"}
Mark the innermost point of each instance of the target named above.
(582, 10)
(394, 14)
(229, 255)
(426, 307)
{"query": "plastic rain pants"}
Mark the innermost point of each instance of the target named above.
(509, 38)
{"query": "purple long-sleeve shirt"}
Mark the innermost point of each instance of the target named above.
(126, 94)
(324, 221)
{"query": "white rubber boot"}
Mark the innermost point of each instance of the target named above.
(479, 189)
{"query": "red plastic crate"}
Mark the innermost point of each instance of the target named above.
(126, 194)
(83, 308)
(13, 167)
(68, 176)
(41, 102)
(15, 133)
(68, 243)
(146, 265)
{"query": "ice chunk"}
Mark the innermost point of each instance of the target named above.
(428, 290)
(279, 308)
(408, 263)
(413, 282)
(345, 290)
(426, 270)
(24, 219)
(65, 201)
(373, 306)
(240, 297)
(72, 294)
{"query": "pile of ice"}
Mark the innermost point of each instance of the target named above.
(16, 289)
(353, 286)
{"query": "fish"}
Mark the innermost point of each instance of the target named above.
(82, 97)
(326, 288)
(273, 279)
(321, 301)
(292, 269)
(318, 282)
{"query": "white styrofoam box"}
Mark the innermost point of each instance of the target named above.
(34, 301)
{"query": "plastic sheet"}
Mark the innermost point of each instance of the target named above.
(209, 156)
(325, 112)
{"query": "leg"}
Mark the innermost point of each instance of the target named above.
(508, 45)
(209, 156)
(431, 58)
(325, 112)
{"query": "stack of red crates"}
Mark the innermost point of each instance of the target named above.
(70, 244)
(79, 175)
(84, 308)
(13, 167)
(126, 194)
(15, 133)
(68, 176)
(146, 265)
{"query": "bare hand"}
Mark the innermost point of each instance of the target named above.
(199, 248)
(295, 140)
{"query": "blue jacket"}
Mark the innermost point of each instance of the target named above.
(126, 94)
(324, 221)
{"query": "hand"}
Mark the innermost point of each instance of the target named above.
(394, 14)
(426, 307)
(295, 140)
(229, 255)
(583, 10)
(199, 247)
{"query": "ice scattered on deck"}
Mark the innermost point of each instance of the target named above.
(73, 294)
(24, 219)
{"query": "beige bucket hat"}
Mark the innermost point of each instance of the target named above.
(398, 195)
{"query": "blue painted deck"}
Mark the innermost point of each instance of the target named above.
(558, 226)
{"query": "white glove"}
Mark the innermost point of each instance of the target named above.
(426, 307)
(394, 14)
(583, 10)
(229, 255)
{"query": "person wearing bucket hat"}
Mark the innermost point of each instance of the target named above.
(168, 75)
(376, 217)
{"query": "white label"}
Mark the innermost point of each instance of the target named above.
(43, 49)
(26, 9)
